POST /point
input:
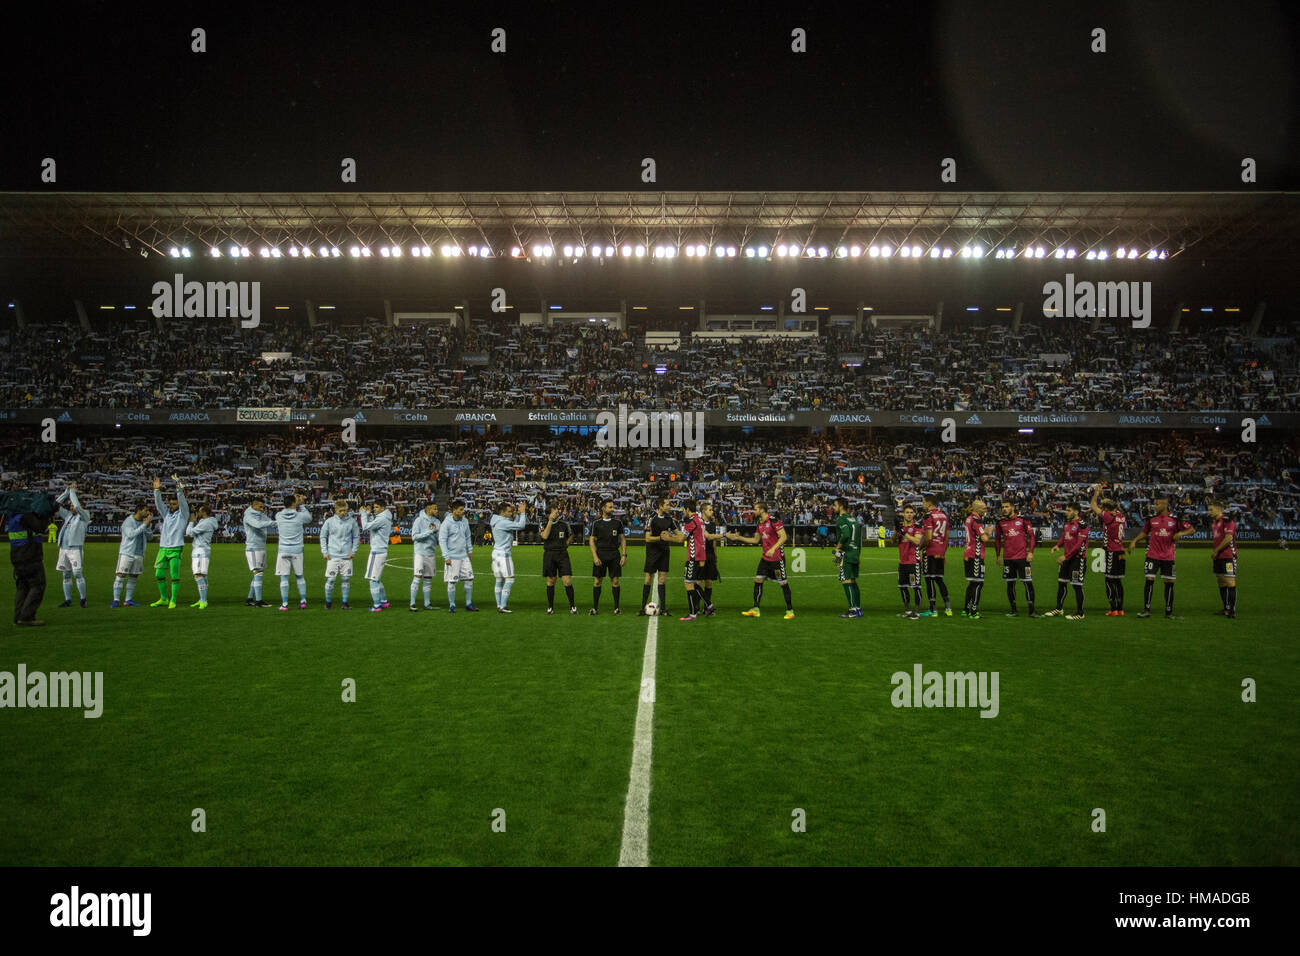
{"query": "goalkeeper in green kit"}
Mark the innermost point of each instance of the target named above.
(848, 555)
(171, 542)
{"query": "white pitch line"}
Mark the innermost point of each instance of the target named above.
(636, 813)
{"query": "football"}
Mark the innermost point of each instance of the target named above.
(652, 608)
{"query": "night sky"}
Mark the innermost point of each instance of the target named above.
(715, 96)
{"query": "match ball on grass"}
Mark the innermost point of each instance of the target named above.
(652, 608)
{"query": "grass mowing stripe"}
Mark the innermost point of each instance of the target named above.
(636, 814)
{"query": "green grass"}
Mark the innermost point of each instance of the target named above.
(239, 711)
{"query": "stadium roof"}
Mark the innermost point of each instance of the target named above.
(1207, 225)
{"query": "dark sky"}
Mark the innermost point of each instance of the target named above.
(715, 96)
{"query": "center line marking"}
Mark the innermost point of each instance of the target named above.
(636, 814)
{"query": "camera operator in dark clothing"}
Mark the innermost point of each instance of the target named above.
(26, 529)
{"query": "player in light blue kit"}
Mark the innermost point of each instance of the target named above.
(377, 521)
(201, 553)
(289, 524)
(130, 556)
(424, 535)
(340, 537)
(72, 544)
(256, 524)
(506, 523)
(457, 555)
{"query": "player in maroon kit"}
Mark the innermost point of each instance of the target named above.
(973, 554)
(1014, 542)
(1073, 545)
(1224, 534)
(771, 566)
(934, 542)
(693, 534)
(1112, 525)
(909, 567)
(1162, 533)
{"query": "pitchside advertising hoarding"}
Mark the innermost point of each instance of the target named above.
(717, 418)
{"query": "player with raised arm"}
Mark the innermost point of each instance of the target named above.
(455, 539)
(130, 556)
(556, 535)
(377, 521)
(256, 524)
(1223, 533)
(848, 555)
(290, 523)
(171, 542)
(608, 546)
(1073, 545)
(201, 552)
(977, 537)
(1112, 526)
(1014, 541)
(424, 538)
(934, 549)
(1161, 532)
(340, 539)
(909, 565)
(72, 544)
(658, 532)
(505, 524)
(771, 537)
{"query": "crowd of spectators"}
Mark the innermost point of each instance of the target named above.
(1044, 366)
(797, 476)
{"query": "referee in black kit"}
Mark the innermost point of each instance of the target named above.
(656, 555)
(608, 553)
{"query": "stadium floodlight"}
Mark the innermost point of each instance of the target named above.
(965, 252)
(763, 252)
(595, 251)
(1121, 253)
(264, 252)
(690, 251)
(874, 252)
(1152, 254)
(1039, 252)
(537, 250)
(794, 249)
(215, 253)
(1103, 254)
(720, 251)
(1163, 254)
(822, 252)
(365, 252)
(972, 308)
(174, 252)
(579, 251)
(275, 252)
(515, 252)
(1070, 253)
(935, 252)
(324, 251)
(886, 251)
(334, 251)
(841, 252)
(947, 252)
(306, 251)
(293, 251)
(397, 252)
(639, 251)
(905, 252)
(355, 252)
(810, 252)
(384, 251)
(783, 250)
(1058, 253)
(568, 251)
(731, 252)
(185, 251)
(671, 251)
(749, 252)
(609, 252)
(234, 252)
(855, 251)
(1090, 254)
(627, 251)
(916, 252)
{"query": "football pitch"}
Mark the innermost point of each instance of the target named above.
(486, 739)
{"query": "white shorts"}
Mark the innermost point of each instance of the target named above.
(457, 569)
(129, 565)
(503, 565)
(426, 565)
(375, 565)
(288, 564)
(69, 559)
(256, 560)
(199, 563)
(338, 568)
